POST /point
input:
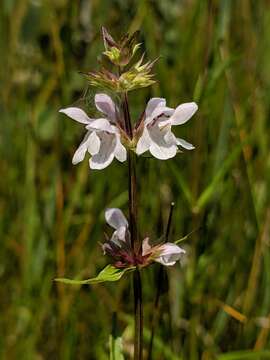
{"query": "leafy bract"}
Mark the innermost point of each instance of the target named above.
(109, 273)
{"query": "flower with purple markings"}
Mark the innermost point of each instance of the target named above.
(157, 136)
(119, 247)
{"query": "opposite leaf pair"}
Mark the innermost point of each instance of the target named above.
(106, 137)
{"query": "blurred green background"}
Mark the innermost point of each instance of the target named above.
(216, 305)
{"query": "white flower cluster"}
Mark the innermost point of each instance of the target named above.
(103, 137)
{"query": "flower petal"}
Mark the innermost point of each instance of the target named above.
(169, 137)
(144, 142)
(120, 151)
(146, 247)
(162, 147)
(183, 113)
(163, 152)
(81, 151)
(121, 232)
(169, 254)
(76, 114)
(93, 143)
(100, 162)
(153, 104)
(115, 218)
(101, 125)
(106, 151)
(105, 104)
(185, 144)
(119, 236)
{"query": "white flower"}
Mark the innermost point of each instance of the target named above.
(166, 254)
(157, 136)
(102, 139)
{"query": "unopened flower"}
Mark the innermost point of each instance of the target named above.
(120, 52)
(119, 248)
(102, 139)
(157, 136)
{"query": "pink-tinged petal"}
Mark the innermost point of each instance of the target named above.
(183, 113)
(185, 144)
(76, 114)
(105, 155)
(144, 143)
(81, 151)
(101, 125)
(153, 104)
(93, 144)
(105, 105)
(169, 253)
(146, 247)
(115, 218)
(120, 151)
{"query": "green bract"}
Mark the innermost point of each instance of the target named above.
(139, 76)
(109, 273)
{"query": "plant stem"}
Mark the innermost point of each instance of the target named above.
(132, 197)
(137, 286)
(128, 125)
(138, 315)
(132, 191)
(161, 274)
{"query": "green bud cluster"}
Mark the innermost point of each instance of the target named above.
(130, 75)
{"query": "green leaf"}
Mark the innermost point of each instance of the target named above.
(116, 348)
(182, 239)
(182, 183)
(245, 355)
(186, 236)
(109, 273)
(224, 168)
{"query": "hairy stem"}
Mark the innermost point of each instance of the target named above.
(132, 191)
(161, 274)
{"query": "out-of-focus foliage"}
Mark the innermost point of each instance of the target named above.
(217, 304)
